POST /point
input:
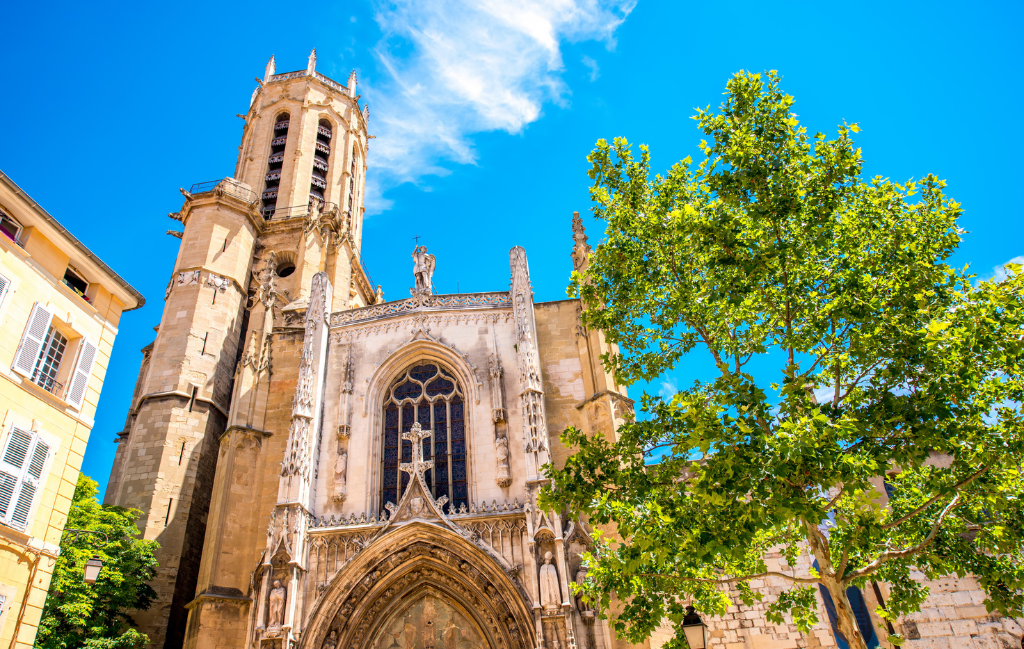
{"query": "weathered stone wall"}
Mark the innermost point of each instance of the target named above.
(168, 458)
(953, 617)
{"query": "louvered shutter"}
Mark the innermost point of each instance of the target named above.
(83, 371)
(32, 340)
(12, 467)
(31, 484)
(4, 285)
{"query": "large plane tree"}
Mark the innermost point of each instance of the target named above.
(842, 350)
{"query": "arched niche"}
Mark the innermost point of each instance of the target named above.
(408, 566)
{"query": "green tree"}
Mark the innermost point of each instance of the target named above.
(95, 616)
(873, 357)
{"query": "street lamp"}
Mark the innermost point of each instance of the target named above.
(694, 629)
(94, 565)
(92, 569)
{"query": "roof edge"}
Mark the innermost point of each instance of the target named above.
(139, 299)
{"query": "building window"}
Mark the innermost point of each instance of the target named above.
(428, 394)
(9, 228)
(45, 375)
(5, 286)
(352, 183)
(890, 490)
(75, 282)
(41, 351)
(275, 164)
(321, 155)
(21, 476)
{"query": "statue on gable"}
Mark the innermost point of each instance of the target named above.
(422, 270)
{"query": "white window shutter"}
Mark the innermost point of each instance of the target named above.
(19, 513)
(31, 484)
(16, 492)
(83, 371)
(8, 485)
(32, 341)
(5, 284)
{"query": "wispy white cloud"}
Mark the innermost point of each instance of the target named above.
(668, 389)
(591, 64)
(1000, 273)
(453, 68)
(826, 393)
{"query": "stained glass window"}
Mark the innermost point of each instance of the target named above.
(428, 394)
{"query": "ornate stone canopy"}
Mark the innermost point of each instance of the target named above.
(403, 566)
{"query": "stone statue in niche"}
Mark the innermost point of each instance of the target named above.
(331, 641)
(581, 604)
(504, 477)
(550, 593)
(423, 270)
(340, 473)
(277, 596)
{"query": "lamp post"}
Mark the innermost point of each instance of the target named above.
(92, 566)
(694, 629)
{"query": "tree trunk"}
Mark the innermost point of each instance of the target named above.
(845, 619)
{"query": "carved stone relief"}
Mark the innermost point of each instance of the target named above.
(429, 623)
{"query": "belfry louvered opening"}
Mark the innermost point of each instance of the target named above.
(352, 182)
(428, 394)
(275, 163)
(321, 156)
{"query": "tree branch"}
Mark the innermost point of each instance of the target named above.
(733, 580)
(832, 503)
(899, 554)
(931, 501)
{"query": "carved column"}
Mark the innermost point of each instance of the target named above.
(344, 431)
(498, 415)
(531, 397)
(287, 537)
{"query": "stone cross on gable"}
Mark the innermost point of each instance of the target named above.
(418, 464)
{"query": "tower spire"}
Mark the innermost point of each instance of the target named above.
(352, 84)
(271, 69)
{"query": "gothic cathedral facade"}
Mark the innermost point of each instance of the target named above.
(325, 469)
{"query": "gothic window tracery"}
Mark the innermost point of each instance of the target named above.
(275, 163)
(431, 395)
(321, 155)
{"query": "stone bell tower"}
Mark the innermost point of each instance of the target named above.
(251, 245)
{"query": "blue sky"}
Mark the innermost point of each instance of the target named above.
(484, 113)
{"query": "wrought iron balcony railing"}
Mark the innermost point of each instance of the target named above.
(228, 186)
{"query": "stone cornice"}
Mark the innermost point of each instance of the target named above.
(421, 304)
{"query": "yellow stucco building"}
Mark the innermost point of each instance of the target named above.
(59, 312)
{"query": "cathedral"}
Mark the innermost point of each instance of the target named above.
(322, 468)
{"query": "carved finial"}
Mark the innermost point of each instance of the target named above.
(271, 69)
(352, 84)
(311, 66)
(366, 112)
(580, 247)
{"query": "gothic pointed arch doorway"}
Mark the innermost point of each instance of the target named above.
(421, 586)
